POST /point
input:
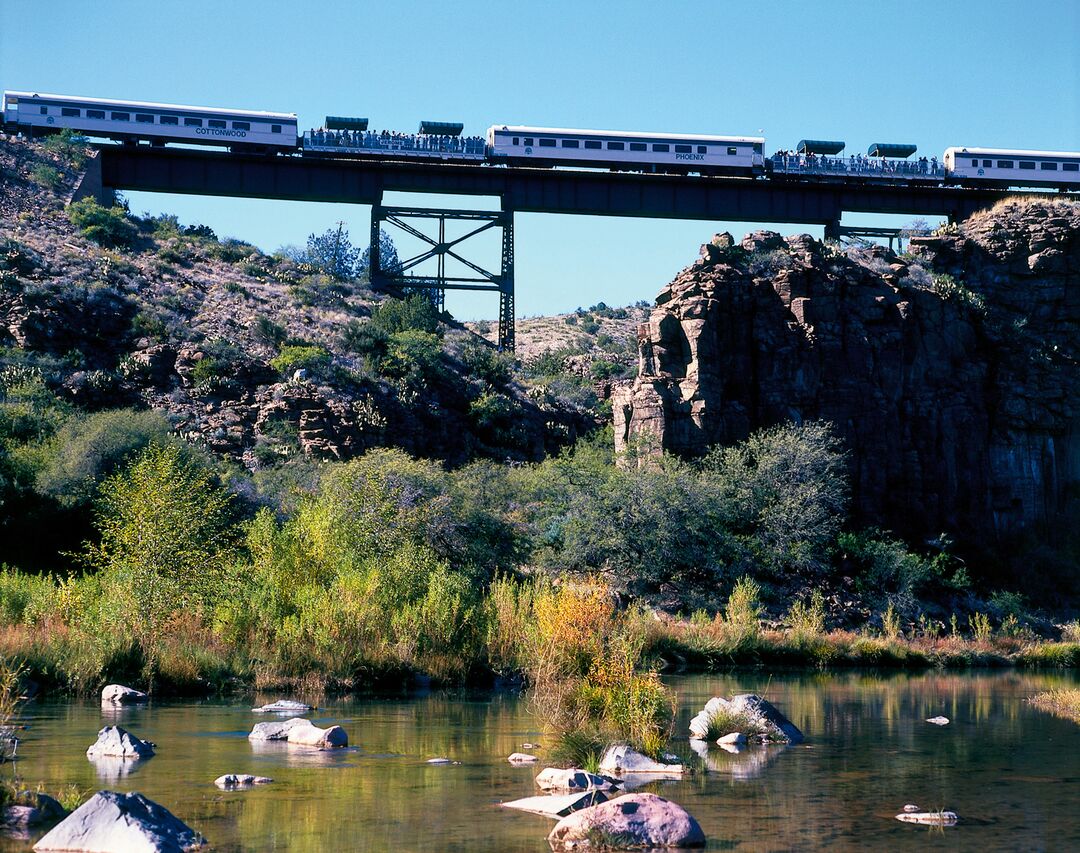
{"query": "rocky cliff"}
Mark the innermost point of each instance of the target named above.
(951, 371)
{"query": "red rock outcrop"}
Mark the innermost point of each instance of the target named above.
(951, 372)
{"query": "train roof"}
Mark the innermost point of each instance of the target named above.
(1015, 152)
(571, 131)
(78, 99)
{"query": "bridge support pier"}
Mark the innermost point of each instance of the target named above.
(403, 278)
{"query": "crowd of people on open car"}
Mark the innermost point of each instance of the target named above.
(387, 140)
(791, 161)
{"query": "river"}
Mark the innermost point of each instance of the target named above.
(1011, 772)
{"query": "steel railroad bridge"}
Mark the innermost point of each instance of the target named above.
(524, 190)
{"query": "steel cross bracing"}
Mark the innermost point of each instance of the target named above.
(402, 280)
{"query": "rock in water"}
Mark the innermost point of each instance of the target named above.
(632, 820)
(621, 758)
(559, 805)
(117, 694)
(556, 779)
(110, 822)
(732, 739)
(933, 818)
(522, 758)
(33, 809)
(939, 721)
(439, 761)
(115, 742)
(240, 780)
(300, 731)
(284, 706)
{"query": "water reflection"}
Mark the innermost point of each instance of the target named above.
(110, 768)
(1004, 767)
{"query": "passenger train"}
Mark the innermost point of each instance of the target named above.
(247, 131)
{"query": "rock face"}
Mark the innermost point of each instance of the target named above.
(115, 742)
(110, 822)
(958, 399)
(632, 820)
(300, 731)
(117, 694)
(557, 779)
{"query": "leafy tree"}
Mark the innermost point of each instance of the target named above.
(167, 537)
(388, 256)
(333, 253)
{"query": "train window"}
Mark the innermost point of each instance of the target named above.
(1005, 164)
(974, 163)
(987, 164)
(701, 149)
(241, 125)
(121, 116)
(275, 128)
(193, 122)
(44, 111)
(1027, 164)
(1070, 167)
(70, 112)
(592, 143)
(661, 146)
(145, 118)
(215, 123)
(95, 113)
(570, 143)
(683, 149)
(173, 120)
(528, 140)
(1048, 167)
(547, 143)
(616, 146)
(638, 146)
(517, 140)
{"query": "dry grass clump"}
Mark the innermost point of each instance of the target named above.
(1063, 702)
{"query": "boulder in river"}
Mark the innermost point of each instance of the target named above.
(732, 739)
(110, 821)
(939, 721)
(620, 758)
(115, 742)
(942, 818)
(573, 780)
(284, 706)
(522, 758)
(557, 805)
(764, 721)
(118, 694)
(241, 780)
(32, 808)
(440, 761)
(300, 731)
(629, 821)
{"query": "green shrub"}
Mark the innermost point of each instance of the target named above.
(487, 363)
(107, 226)
(415, 357)
(292, 358)
(365, 338)
(22, 595)
(883, 566)
(69, 146)
(46, 176)
(416, 313)
(268, 332)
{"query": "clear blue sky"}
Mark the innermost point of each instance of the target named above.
(937, 74)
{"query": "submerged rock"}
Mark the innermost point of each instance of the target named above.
(117, 694)
(241, 780)
(522, 758)
(284, 706)
(109, 821)
(557, 805)
(557, 779)
(440, 761)
(115, 742)
(632, 820)
(934, 818)
(620, 758)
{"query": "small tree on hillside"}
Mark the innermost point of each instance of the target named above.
(333, 253)
(389, 262)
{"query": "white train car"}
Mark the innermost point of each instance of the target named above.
(611, 149)
(134, 121)
(1009, 167)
